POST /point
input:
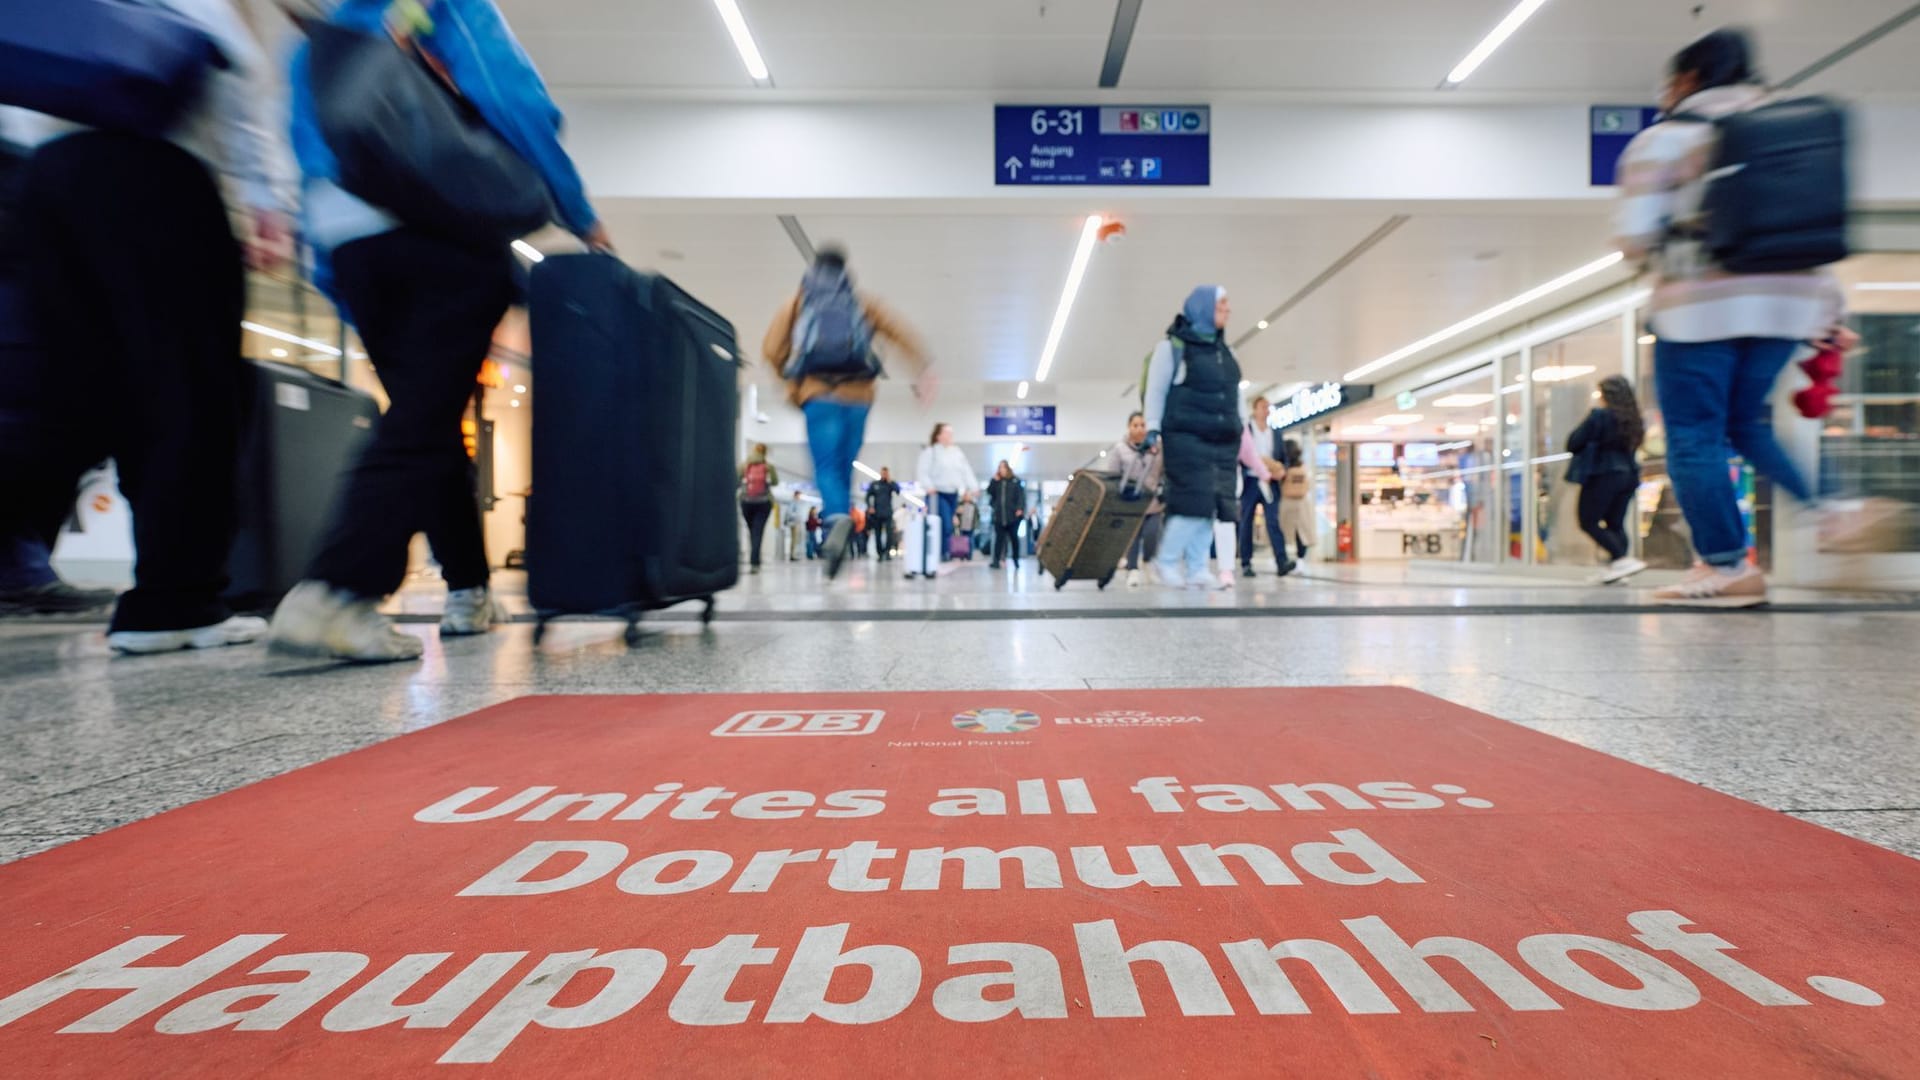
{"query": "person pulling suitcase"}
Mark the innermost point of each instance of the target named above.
(426, 296)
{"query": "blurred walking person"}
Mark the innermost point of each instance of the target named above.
(137, 288)
(758, 478)
(1007, 499)
(425, 303)
(880, 496)
(1726, 331)
(822, 342)
(1606, 466)
(1259, 472)
(945, 474)
(1133, 456)
(1192, 413)
(1297, 526)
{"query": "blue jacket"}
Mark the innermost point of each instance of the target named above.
(471, 39)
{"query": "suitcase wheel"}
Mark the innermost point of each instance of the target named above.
(1061, 581)
(1108, 580)
(539, 631)
(632, 636)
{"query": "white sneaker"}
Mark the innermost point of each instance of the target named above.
(1226, 580)
(469, 612)
(1711, 587)
(238, 630)
(316, 620)
(1133, 579)
(1621, 570)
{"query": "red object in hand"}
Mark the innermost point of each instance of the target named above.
(1816, 401)
(1824, 366)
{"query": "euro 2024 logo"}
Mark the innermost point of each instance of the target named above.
(996, 721)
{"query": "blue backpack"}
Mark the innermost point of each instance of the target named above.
(832, 337)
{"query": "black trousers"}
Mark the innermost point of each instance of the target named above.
(1603, 510)
(138, 292)
(882, 529)
(756, 514)
(1006, 541)
(1252, 498)
(426, 309)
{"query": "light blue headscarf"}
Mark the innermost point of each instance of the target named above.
(1199, 309)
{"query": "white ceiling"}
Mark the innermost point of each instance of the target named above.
(1577, 47)
(983, 288)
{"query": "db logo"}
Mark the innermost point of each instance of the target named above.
(844, 722)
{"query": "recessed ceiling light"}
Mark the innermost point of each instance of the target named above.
(1089, 234)
(1461, 401)
(519, 389)
(278, 354)
(1487, 316)
(1493, 41)
(516, 403)
(1648, 339)
(1562, 373)
(1024, 387)
(743, 40)
(1361, 429)
(1264, 324)
(1462, 429)
(1401, 419)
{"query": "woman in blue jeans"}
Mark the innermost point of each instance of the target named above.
(1724, 336)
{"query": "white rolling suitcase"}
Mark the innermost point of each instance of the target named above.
(919, 543)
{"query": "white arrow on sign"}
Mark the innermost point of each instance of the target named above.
(1013, 167)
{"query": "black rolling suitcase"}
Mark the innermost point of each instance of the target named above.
(633, 503)
(299, 433)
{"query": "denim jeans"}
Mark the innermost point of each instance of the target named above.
(835, 431)
(24, 563)
(1184, 544)
(1714, 400)
(949, 505)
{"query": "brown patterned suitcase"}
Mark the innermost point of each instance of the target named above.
(1093, 527)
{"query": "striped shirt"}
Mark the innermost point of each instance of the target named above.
(1661, 175)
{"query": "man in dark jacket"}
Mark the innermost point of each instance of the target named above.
(880, 496)
(1008, 497)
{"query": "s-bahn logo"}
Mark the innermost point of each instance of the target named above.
(1128, 718)
(996, 721)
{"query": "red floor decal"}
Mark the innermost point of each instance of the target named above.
(1311, 883)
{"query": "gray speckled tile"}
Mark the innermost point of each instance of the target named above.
(1865, 761)
(19, 847)
(104, 806)
(1895, 830)
(1486, 693)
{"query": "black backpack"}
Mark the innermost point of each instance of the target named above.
(1776, 195)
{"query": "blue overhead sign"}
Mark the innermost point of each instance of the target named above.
(1123, 146)
(1611, 128)
(1020, 421)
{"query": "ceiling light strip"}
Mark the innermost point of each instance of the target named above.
(743, 41)
(1850, 48)
(1514, 20)
(1888, 286)
(1538, 293)
(1089, 235)
(1126, 15)
(320, 347)
(1352, 256)
(528, 251)
(798, 234)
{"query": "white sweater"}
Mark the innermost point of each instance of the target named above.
(945, 468)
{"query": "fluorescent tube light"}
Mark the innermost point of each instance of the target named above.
(866, 470)
(743, 40)
(528, 251)
(1515, 18)
(1888, 286)
(1487, 316)
(320, 347)
(1024, 387)
(1089, 234)
(1400, 419)
(1461, 401)
(1361, 429)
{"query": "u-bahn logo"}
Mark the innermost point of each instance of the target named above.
(996, 721)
